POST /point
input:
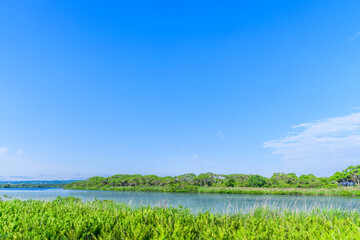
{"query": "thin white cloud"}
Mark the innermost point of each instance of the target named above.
(220, 134)
(196, 158)
(15, 166)
(3, 150)
(20, 151)
(355, 36)
(326, 143)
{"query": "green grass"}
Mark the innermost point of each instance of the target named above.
(340, 191)
(72, 219)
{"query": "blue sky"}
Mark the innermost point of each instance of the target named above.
(100, 88)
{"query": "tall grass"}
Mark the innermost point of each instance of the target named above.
(341, 191)
(69, 218)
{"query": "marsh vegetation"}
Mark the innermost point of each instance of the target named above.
(69, 218)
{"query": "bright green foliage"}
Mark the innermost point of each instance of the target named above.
(310, 181)
(236, 180)
(207, 179)
(256, 181)
(350, 174)
(283, 180)
(338, 177)
(230, 182)
(72, 219)
(353, 174)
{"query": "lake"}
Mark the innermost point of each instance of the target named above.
(197, 202)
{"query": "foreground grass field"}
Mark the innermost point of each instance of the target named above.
(71, 219)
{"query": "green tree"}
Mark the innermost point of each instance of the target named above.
(206, 179)
(283, 180)
(338, 177)
(353, 173)
(256, 181)
(230, 182)
(309, 181)
(188, 177)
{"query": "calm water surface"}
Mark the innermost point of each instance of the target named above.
(216, 203)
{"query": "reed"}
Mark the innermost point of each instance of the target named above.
(69, 218)
(340, 191)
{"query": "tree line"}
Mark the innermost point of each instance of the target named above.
(348, 177)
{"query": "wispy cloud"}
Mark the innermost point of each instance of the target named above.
(220, 134)
(3, 150)
(196, 158)
(355, 36)
(325, 143)
(15, 166)
(20, 151)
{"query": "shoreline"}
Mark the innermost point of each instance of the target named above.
(343, 191)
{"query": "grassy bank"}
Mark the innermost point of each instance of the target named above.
(341, 191)
(72, 219)
(344, 191)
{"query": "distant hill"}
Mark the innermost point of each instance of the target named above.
(35, 184)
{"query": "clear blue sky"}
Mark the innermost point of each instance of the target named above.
(99, 88)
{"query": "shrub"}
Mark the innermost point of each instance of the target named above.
(256, 181)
